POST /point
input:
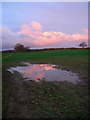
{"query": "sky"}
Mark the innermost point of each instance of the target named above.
(44, 24)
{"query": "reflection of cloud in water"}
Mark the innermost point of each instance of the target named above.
(49, 72)
(47, 67)
(42, 64)
(33, 71)
(39, 76)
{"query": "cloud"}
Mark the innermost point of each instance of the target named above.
(78, 37)
(9, 38)
(36, 26)
(33, 36)
(33, 30)
(85, 31)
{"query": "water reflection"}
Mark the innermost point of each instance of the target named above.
(47, 72)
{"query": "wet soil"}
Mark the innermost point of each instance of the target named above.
(29, 99)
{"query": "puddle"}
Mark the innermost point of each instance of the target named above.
(46, 72)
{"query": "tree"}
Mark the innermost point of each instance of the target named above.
(27, 47)
(83, 44)
(20, 48)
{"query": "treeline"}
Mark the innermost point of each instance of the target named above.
(45, 49)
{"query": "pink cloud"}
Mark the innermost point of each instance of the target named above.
(39, 38)
(29, 33)
(28, 29)
(36, 26)
(25, 27)
(78, 37)
(5, 30)
(85, 31)
(0, 29)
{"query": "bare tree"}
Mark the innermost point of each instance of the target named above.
(83, 44)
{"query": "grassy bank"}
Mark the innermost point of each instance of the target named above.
(28, 99)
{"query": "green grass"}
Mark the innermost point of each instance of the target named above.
(77, 59)
(50, 99)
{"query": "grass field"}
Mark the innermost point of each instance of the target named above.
(50, 99)
(77, 59)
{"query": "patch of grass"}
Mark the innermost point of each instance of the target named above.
(77, 59)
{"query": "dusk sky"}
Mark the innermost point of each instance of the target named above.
(44, 24)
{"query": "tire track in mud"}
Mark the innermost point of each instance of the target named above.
(18, 99)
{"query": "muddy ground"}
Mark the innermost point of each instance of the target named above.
(28, 99)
